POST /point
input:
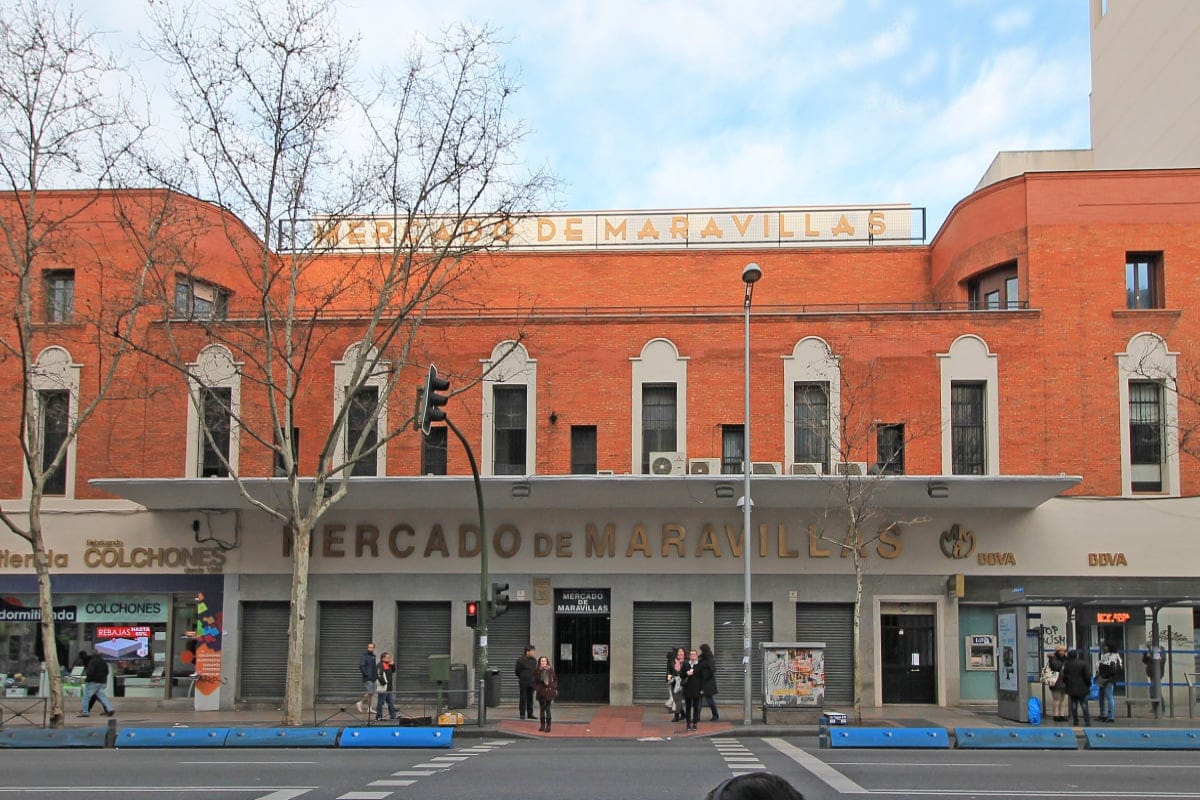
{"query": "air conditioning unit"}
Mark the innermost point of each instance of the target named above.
(704, 466)
(849, 468)
(767, 468)
(605, 472)
(808, 468)
(668, 463)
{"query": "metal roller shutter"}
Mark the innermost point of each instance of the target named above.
(727, 646)
(657, 628)
(263, 647)
(507, 636)
(343, 630)
(832, 624)
(422, 630)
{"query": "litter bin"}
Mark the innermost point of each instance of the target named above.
(456, 687)
(491, 688)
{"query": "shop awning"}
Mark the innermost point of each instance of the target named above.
(921, 493)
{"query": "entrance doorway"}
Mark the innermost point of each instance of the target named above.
(907, 650)
(581, 644)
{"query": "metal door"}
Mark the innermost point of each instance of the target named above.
(907, 651)
(657, 629)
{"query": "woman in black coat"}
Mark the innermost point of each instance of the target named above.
(1077, 677)
(709, 689)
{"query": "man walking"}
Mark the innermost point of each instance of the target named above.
(95, 679)
(526, 665)
(370, 674)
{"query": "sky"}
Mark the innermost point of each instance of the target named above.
(666, 104)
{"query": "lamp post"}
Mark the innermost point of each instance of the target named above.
(750, 275)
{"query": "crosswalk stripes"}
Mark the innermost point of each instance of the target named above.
(434, 766)
(737, 756)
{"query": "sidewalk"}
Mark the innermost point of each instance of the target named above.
(587, 721)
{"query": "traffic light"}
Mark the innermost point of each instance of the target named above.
(472, 614)
(499, 599)
(431, 402)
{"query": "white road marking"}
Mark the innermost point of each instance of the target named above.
(365, 796)
(414, 773)
(820, 770)
(235, 763)
(916, 764)
(273, 794)
(391, 783)
(427, 765)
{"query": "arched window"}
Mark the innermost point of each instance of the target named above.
(509, 408)
(214, 406)
(659, 406)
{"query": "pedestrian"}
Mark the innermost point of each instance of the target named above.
(545, 684)
(1077, 677)
(387, 687)
(676, 658)
(526, 665)
(693, 679)
(95, 679)
(708, 691)
(754, 786)
(1053, 679)
(370, 674)
(1152, 659)
(1110, 670)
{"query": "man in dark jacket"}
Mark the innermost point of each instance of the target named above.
(370, 674)
(1077, 676)
(526, 665)
(95, 679)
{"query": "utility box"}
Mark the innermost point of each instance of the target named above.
(491, 688)
(439, 668)
(456, 687)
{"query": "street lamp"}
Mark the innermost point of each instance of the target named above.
(750, 275)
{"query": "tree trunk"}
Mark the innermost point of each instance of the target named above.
(46, 608)
(856, 624)
(293, 701)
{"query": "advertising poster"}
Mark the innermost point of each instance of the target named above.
(794, 675)
(207, 654)
(1006, 634)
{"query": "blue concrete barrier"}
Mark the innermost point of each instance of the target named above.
(282, 737)
(63, 737)
(926, 738)
(396, 737)
(1015, 739)
(1140, 739)
(172, 737)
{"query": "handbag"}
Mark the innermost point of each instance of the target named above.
(1049, 677)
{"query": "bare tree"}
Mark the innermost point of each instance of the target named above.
(65, 124)
(841, 423)
(362, 204)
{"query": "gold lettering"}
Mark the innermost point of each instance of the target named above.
(468, 541)
(762, 540)
(331, 541)
(889, 542)
(444, 234)
(563, 545)
(355, 233)
(394, 540)
(876, 223)
(543, 544)
(507, 541)
(784, 233)
(620, 231)
(843, 227)
(679, 228)
(504, 231)
(853, 539)
(91, 557)
(638, 542)
(735, 541)
(436, 543)
(809, 230)
(648, 231)
(673, 535)
(600, 545)
(472, 230)
(709, 543)
(366, 538)
(545, 229)
(327, 233)
(741, 224)
(573, 229)
(711, 228)
(784, 552)
(814, 544)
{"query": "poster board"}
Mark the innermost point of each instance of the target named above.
(793, 674)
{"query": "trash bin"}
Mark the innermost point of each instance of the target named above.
(456, 687)
(491, 688)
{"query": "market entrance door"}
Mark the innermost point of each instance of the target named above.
(907, 647)
(581, 642)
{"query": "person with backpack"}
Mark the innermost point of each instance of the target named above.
(1109, 671)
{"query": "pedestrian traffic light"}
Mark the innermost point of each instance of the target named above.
(431, 402)
(499, 599)
(472, 614)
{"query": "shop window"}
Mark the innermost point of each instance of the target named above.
(1144, 280)
(199, 300)
(59, 287)
(54, 424)
(362, 431)
(510, 430)
(733, 449)
(583, 449)
(889, 448)
(659, 408)
(811, 428)
(433, 451)
(968, 429)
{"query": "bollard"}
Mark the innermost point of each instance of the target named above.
(110, 735)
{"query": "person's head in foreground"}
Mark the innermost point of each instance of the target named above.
(755, 786)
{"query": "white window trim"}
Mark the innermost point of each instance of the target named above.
(970, 360)
(54, 370)
(214, 368)
(812, 361)
(509, 364)
(343, 374)
(659, 363)
(1146, 358)
(947, 653)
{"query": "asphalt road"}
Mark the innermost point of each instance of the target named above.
(591, 770)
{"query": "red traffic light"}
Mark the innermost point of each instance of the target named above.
(472, 614)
